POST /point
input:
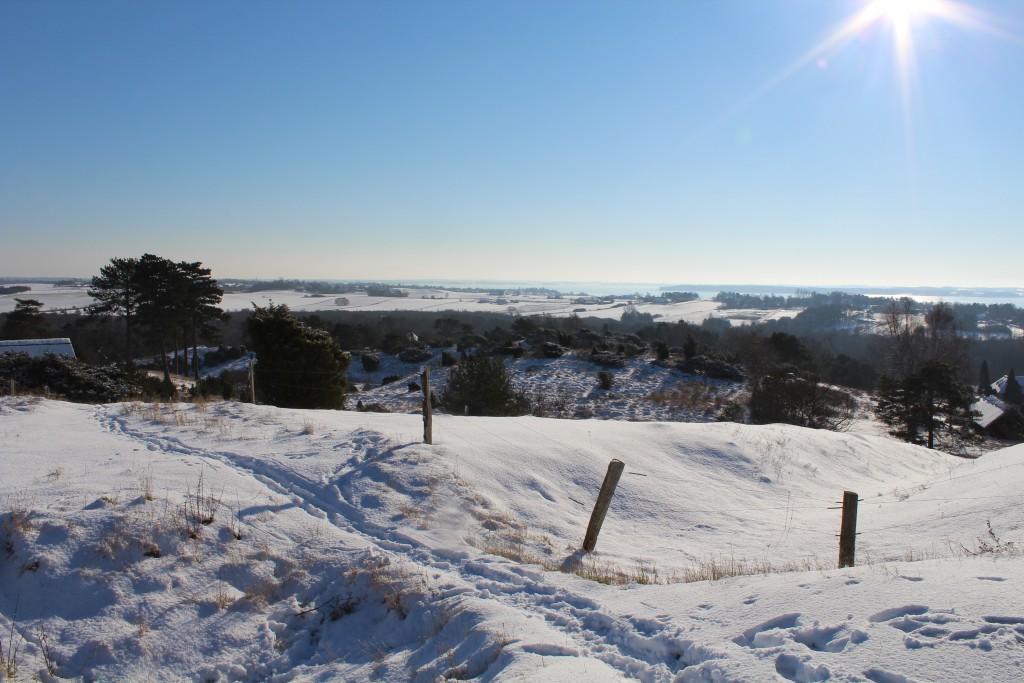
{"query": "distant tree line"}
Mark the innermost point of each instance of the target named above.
(314, 287)
(801, 300)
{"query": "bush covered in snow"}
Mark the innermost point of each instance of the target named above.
(71, 378)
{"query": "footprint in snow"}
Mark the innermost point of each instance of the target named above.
(779, 630)
(990, 578)
(750, 600)
(924, 628)
(795, 668)
(883, 676)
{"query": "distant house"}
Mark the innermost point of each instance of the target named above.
(35, 348)
(999, 386)
(998, 418)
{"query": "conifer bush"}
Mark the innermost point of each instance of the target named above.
(482, 386)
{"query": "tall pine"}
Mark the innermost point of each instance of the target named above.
(1012, 391)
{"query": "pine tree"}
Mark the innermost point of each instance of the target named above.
(26, 321)
(297, 366)
(984, 383)
(482, 386)
(931, 398)
(117, 290)
(1011, 391)
(160, 307)
(200, 296)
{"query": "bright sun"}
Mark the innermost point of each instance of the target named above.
(902, 12)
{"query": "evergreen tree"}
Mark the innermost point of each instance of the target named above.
(26, 321)
(896, 407)
(931, 398)
(984, 383)
(160, 301)
(690, 347)
(200, 296)
(482, 386)
(117, 290)
(923, 389)
(1012, 391)
(298, 366)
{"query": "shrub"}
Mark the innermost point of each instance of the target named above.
(552, 350)
(730, 413)
(798, 401)
(605, 380)
(299, 366)
(73, 379)
(370, 361)
(415, 354)
(448, 359)
(710, 367)
(482, 386)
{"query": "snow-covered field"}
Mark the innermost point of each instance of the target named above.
(233, 542)
(433, 300)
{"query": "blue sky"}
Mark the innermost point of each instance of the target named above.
(562, 140)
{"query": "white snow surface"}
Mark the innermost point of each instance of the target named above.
(343, 548)
(69, 299)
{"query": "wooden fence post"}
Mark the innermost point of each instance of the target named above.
(848, 531)
(428, 416)
(604, 499)
(252, 380)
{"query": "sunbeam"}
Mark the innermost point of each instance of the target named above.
(902, 16)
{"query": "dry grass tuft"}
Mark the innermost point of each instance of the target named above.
(695, 397)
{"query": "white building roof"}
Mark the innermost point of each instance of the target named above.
(991, 409)
(37, 347)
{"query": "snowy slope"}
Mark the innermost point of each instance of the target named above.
(342, 548)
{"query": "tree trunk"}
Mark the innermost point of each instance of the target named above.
(195, 351)
(163, 356)
(931, 419)
(127, 340)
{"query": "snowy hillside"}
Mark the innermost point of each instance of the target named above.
(229, 542)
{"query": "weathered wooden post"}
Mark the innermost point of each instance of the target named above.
(252, 380)
(604, 499)
(428, 417)
(848, 531)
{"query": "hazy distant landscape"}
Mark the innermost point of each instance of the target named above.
(506, 341)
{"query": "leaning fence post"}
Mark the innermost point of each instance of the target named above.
(848, 531)
(428, 415)
(604, 499)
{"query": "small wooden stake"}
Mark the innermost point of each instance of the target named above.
(428, 416)
(848, 531)
(604, 499)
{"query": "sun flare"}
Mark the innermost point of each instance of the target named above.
(902, 12)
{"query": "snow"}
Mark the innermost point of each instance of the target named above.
(420, 299)
(37, 348)
(565, 387)
(343, 548)
(991, 409)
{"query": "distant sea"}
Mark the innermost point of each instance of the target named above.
(961, 295)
